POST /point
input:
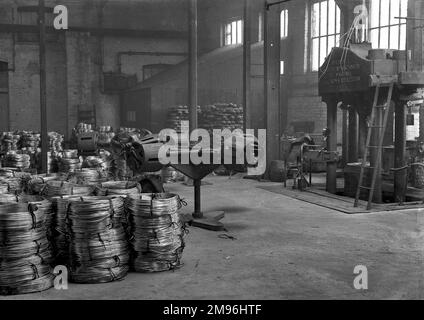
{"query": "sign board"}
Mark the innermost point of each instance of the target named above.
(344, 71)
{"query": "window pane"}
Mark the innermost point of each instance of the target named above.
(233, 32)
(384, 16)
(323, 18)
(239, 32)
(286, 22)
(404, 9)
(403, 37)
(375, 12)
(394, 11)
(384, 38)
(331, 40)
(281, 67)
(332, 17)
(337, 19)
(315, 54)
(374, 38)
(315, 19)
(394, 37)
(337, 41)
(323, 50)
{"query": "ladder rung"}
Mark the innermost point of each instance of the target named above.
(367, 188)
(369, 167)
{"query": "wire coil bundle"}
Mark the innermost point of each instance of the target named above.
(122, 188)
(88, 176)
(7, 172)
(69, 161)
(55, 142)
(9, 142)
(25, 253)
(30, 141)
(17, 160)
(99, 251)
(37, 183)
(63, 188)
(156, 231)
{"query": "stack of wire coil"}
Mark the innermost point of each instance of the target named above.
(96, 162)
(89, 176)
(17, 160)
(25, 253)
(156, 231)
(122, 188)
(69, 161)
(15, 184)
(63, 188)
(99, 250)
(37, 183)
(60, 230)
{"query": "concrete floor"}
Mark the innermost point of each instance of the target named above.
(285, 249)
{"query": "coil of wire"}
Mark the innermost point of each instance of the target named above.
(37, 183)
(90, 176)
(25, 252)
(6, 172)
(156, 231)
(63, 188)
(118, 188)
(99, 251)
(16, 160)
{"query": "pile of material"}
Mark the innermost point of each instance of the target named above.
(55, 142)
(37, 183)
(15, 184)
(9, 142)
(106, 135)
(88, 176)
(17, 160)
(156, 231)
(30, 141)
(176, 115)
(216, 116)
(221, 116)
(99, 250)
(63, 188)
(25, 249)
(69, 161)
(121, 188)
(102, 161)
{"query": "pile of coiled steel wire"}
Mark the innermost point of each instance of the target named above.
(156, 230)
(122, 188)
(17, 160)
(25, 253)
(37, 183)
(98, 247)
(90, 176)
(69, 161)
(63, 188)
(14, 184)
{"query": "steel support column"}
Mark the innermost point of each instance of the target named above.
(272, 81)
(43, 86)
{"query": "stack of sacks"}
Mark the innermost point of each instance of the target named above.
(221, 116)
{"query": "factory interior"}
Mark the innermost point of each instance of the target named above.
(321, 175)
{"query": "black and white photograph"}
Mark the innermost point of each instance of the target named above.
(211, 155)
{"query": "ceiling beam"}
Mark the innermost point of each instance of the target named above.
(125, 33)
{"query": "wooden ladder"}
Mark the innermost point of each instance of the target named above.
(382, 129)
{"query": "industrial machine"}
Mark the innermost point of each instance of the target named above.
(377, 86)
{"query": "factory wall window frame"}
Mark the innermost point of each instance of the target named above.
(325, 31)
(232, 32)
(284, 23)
(385, 31)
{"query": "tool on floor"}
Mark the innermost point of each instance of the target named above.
(381, 128)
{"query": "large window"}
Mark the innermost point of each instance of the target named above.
(325, 31)
(284, 23)
(233, 32)
(387, 32)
